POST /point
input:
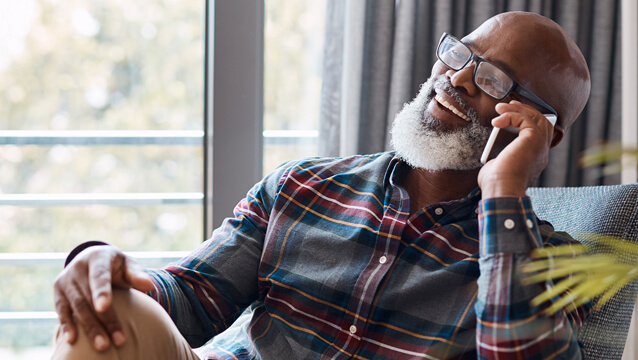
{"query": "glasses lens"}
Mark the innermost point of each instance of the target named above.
(453, 53)
(493, 80)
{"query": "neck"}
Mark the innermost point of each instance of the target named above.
(427, 187)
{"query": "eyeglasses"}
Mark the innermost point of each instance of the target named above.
(487, 76)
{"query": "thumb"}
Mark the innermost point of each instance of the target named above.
(138, 278)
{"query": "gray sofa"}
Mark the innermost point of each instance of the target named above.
(611, 210)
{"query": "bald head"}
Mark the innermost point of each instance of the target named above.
(543, 57)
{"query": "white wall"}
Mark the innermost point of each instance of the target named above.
(629, 9)
(630, 124)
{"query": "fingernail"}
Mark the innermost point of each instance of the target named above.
(118, 338)
(100, 304)
(100, 342)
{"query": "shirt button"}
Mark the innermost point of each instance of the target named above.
(383, 259)
(438, 211)
(509, 224)
(353, 329)
(530, 224)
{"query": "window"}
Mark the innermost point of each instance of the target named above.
(102, 138)
(293, 56)
(106, 130)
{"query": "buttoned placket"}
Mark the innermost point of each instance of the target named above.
(395, 216)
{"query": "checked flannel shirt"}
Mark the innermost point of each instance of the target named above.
(323, 260)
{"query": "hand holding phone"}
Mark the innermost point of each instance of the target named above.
(492, 139)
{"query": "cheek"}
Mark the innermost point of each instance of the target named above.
(486, 110)
(438, 69)
(482, 103)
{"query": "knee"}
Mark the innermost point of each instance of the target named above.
(134, 307)
(143, 320)
(141, 317)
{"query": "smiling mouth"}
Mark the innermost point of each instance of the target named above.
(451, 107)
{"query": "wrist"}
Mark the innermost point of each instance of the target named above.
(495, 186)
(502, 190)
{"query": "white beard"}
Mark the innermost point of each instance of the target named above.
(423, 142)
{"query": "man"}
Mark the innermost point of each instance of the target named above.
(384, 256)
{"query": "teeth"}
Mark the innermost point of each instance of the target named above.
(449, 106)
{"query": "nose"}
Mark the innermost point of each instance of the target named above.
(463, 79)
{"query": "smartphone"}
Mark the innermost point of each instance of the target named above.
(490, 141)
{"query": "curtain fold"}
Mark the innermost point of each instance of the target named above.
(378, 52)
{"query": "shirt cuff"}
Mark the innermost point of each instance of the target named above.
(508, 225)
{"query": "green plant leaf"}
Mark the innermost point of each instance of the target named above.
(582, 273)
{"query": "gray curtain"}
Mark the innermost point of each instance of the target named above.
(378, 52)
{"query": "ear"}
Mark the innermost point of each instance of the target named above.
(558, 135)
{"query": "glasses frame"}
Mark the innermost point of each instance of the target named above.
(516, 87)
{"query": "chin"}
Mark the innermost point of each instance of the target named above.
(426, 143)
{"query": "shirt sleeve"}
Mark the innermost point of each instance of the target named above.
(508, 326)
(207, 290)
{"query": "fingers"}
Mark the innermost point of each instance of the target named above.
(137, 277)
(65, 317)
(129, 273)
(111, 323)
(522, 157)
(91, 325)
(83, 311)
(100, 285)
(526, 112)
(83, 296)
(524, 117)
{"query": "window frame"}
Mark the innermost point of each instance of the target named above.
(234, 97)
(233, 91)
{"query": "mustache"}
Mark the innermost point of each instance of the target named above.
(443, 83)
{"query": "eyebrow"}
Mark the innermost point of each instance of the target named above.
(501, 65)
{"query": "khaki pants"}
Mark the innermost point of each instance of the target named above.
(150, 333)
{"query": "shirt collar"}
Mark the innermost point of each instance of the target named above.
(398, 168)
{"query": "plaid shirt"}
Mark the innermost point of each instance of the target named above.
(323, 260)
